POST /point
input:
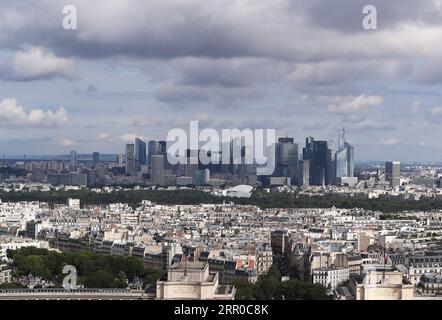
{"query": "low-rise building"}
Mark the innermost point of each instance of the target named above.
(430, 284)
(330, 277)
(5, 274)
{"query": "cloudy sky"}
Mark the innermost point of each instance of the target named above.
(303, 67)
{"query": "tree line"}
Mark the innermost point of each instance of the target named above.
(385, 204)
(93, 270)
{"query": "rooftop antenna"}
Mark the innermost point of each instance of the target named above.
(185, 251)
(383, 271)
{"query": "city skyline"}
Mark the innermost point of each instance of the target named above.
(294, 66)
(334, 144)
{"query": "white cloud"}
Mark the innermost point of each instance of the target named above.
(354, 104)
(130, 137)
(14, 115)
(104, 136)
(390, 141)
(35, 64)
(436, 111)
(67, 142)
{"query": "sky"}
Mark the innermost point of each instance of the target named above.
(141, 68)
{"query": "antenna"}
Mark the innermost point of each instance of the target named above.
(383, 271)
(185, 261)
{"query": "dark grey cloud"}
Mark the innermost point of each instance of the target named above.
(430, 72)
(346, 15)
(295, 65)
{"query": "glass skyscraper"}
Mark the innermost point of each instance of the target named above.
(344, 157)
(287, 158)
(140, 153)
(320, 158)
(130, 159)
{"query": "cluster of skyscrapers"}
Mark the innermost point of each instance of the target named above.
(319, 164)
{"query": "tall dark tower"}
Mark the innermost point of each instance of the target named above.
(319, 155)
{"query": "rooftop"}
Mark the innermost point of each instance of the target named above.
(197, 265)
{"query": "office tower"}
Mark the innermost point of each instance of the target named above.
(130, 159)
(152, 149)
(91, 178)
(344, 158)
(74, 160)
(320, 157)
(192, 162)
(286, 158)
(140, 153)
(201, 177)
(162, 148)
(393, 173)
(304, 173)
(95, 159)
(157, 176)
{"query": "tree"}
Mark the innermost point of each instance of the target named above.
(121, 280)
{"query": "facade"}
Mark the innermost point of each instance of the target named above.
(354, 264)
(264, 259)
(393, 173)
(192, 281)
(152, 149)
(420, 265)
(95, 159)
(304, 173)
(5, 274)
(286, 158)
(279, 242)
(140, 154)
(157, 176)
(330, 277)
(430, 284)
(130, 159)
(73, 203)
(344, 158)
(73, 160)
(320, 161)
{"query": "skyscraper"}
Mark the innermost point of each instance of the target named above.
(157, 175)
(74, 160)
(130, 159)
(162, 147)
(95, 159)
(140, 153)
(286, 158)
(152, 149)
(320, 157)
(393, 173)
(304, 173)
(344, 158)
